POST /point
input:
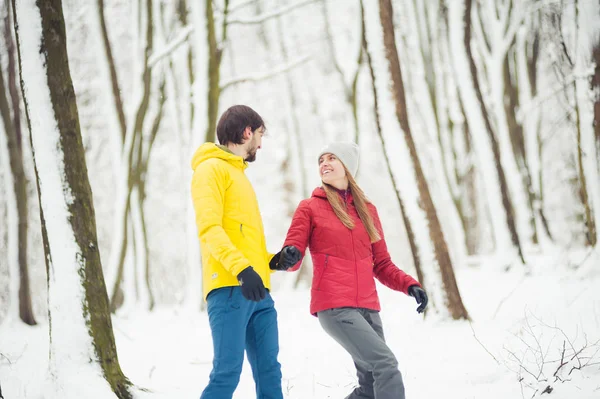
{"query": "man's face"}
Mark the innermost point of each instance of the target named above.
(254, 143)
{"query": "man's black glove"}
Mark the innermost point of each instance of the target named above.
(252, 285)
(420, 296)
(285, 259)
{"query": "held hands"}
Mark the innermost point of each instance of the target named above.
(286, 258)
(252, 285)
(420, 296)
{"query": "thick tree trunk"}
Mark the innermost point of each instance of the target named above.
(425, 72)
(77, 297)
(12, 128)
(407, 224)
(452, 301)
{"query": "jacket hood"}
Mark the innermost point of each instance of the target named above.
(211, 150)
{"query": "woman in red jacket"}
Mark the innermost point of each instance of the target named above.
(343, 231)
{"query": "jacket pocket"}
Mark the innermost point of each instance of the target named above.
(323, 274)
(242, 230)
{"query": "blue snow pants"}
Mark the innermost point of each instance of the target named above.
(238, 324)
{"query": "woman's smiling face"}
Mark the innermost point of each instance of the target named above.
(331, 169)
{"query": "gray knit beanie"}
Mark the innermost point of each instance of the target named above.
(346, 151)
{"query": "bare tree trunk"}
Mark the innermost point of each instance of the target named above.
(586, 14)
(12, 128)
(114, 80)
(77, 297)
(350, 88)
(294, 143)
(495, 38)
(453, 301)
(459, 20)
(129, 160)
(504, 190)
(596, 90)
(424, 72)
(407, 224)
(527, 56)
(214, 72)
(517, 136)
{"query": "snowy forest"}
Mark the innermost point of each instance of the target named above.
(478, 123)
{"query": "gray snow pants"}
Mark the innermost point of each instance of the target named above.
(360, 332)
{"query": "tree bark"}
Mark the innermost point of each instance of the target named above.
(70, 244)
(504, 190)
(517, 136)
(407, 224)
(453, 300)
(114, 80)
(12, 128)
(214, 73)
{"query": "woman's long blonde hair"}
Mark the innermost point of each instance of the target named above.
(360, 203)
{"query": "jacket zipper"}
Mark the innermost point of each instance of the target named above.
(242, 231)
(355, 264)
(324, 269)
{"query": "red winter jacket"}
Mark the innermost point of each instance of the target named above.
(345, 262)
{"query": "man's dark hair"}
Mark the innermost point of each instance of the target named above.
(232, 123)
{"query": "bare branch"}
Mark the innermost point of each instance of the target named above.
(169, 48)
(481, 37)
(517, 16)
(241, 5)
(562, 361)
(269, 74)
(259, 19)
(480, 343)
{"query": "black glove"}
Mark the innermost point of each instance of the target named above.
(420, 296)
(286, 258)
(252, 285)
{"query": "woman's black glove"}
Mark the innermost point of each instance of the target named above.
(285, 259)
(252, 285)
(420, 296)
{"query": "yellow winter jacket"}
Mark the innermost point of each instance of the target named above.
(228, 218)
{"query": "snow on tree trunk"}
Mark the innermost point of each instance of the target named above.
(20, 300)
(406, 221)
(588, 38)
(431, 245)
(12, 221)
(505, 248)
(82, 345)
(526, 53)
(425, 75)
(502, 20)
(199, 125)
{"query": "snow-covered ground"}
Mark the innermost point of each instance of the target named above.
(169, 351)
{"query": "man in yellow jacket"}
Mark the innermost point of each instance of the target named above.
(235, 262)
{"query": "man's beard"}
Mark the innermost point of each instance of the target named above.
(251, 157)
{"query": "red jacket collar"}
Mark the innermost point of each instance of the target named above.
(319, 192)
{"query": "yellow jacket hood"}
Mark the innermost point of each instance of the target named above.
(211, 150)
